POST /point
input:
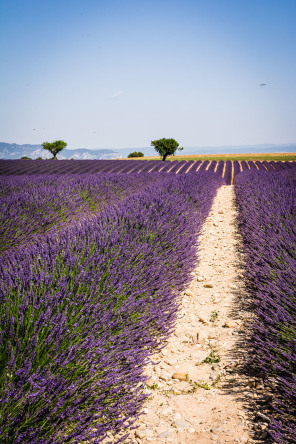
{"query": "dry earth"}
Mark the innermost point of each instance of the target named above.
(198, 392)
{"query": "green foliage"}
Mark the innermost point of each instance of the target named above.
(205, 386)
(216, 381)
(214, 316)
(54, 147)
(135, 154)
(166, 147)
(26, 158)
(213, 357)
(39, 158)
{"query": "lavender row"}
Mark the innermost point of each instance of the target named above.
(81, 312)
(227, 169)
(33, 204)
(267, 220)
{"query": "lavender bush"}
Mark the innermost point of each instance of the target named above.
(81, 311)
(267, 220)
(33, 204)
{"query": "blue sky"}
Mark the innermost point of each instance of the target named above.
(114, 74)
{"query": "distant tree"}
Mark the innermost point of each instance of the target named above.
(54, 147)
(26, 158)
(135, 154)
(39, 158)
(166, 147)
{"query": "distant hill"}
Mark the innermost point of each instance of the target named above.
(230, 149)
(15, 151)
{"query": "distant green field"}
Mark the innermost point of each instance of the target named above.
(268, 157)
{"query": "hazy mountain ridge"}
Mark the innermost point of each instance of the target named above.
(15, 151)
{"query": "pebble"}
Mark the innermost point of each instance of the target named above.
(140, 434)
(203, 320)
(200, 279)
(149, 433)
(194, 339)
(233, 287)
(263, 417)
(164, 377)
(208, 285)
(164, 434)
(215, 429)
(202, 337)
(177, 417)
(188, 293)
(215, 367)
(212, 336)
(232, 365)
(230, 324)
(179, 424)
(168, 411)
(180, 376)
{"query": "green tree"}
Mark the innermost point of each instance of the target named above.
(166, 147)
(54, 147)
(26, 158)
(135, 154)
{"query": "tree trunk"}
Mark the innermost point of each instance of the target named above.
(165, 156)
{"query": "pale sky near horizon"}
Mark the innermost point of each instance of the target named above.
(120, 73)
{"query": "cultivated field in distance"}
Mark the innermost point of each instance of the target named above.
(238, 156)
(227, 169)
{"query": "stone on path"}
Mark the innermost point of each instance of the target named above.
(180, 376)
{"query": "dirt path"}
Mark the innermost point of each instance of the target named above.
(208, 406)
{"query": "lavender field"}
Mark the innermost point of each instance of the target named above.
(226, 169)
(87, 299)
(94, 256)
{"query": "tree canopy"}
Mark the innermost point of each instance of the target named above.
(166, 147)
(136, 154)
(54, 147)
